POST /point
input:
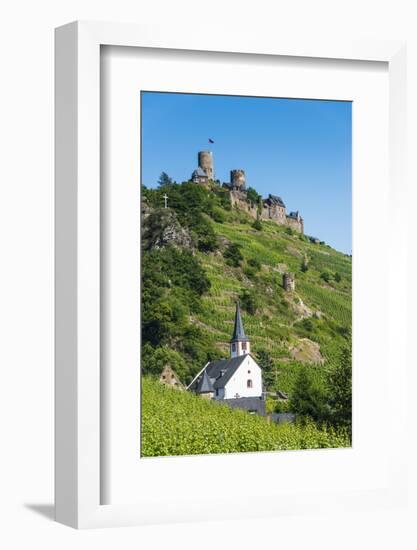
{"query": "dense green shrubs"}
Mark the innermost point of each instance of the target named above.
(172, 282)
(178, 423)
(249, 301)
(233, 255)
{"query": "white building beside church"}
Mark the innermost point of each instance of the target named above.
(237, 380)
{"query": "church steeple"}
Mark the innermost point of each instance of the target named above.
(239, 344)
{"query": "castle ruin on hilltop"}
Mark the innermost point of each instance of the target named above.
(270, 209)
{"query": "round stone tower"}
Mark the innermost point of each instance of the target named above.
(205, 162)
(288, 282)
(238, 179)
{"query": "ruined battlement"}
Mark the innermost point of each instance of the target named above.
(271, 208)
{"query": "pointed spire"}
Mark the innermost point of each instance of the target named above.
(204, 385)
(239, 331)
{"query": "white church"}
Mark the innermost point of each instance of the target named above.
(236, 381)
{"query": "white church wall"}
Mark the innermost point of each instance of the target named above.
(238, 383)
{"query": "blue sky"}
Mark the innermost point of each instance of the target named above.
(298, 149)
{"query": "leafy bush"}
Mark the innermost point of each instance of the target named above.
(253, 196)
(249, 301)
(233, 255)
(218, 215)
(255, 263)
(257, 225)
(326, 276)
(155, 359)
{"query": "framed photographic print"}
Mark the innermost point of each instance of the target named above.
(221, 256)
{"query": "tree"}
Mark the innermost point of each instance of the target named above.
(164, 180)
(252, 195)
(309, 396)
(269, 369)
(154, 361)
(340, 391)
(257, 225)
(337, 277)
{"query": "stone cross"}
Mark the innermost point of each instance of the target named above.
(165, 197)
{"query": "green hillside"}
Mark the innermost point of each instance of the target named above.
(199, 256)
(178, 423)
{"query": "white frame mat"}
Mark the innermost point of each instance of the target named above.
(78, 263)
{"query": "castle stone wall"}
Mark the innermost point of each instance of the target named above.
(275, 214)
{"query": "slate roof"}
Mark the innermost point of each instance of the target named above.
(218, 372)
(229, 367)
(204, 385)
(275, 200)
(239, 331)
(199, 172)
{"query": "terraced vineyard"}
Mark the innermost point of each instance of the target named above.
(214, 256)
(277, 324)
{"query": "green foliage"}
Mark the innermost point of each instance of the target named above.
(253, 196)
(249, 301)
(269, 368)
(155, 359)
(206, 237)
(164, 180)
(178, 423)
(337, 277)
(326, 276)
(233, 255)
(340, 391)
(255, 263)
(257, 225)
(304, 265)
(289, 231)
(218, 214)
(309, 397)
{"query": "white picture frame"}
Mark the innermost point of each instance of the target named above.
(78, 321)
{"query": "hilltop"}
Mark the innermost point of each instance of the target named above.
(201, 254)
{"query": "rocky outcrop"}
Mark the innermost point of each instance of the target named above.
(161, 228)
(306, 351)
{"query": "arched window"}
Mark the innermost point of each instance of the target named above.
(249, 384)
(233, 347)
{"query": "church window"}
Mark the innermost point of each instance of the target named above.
(244, 347)
(249, 384)
(233, 347)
